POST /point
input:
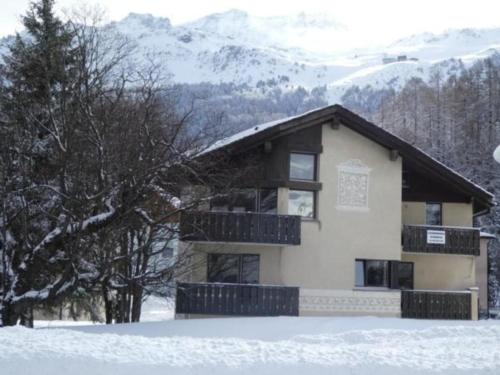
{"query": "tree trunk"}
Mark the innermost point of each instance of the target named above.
(108, 305)
(137, 304)
(9, 315)
(27, 318)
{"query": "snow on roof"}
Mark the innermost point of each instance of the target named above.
(253, 130)
(260, 128)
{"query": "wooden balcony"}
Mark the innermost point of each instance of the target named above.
(236, 299)
(240, 227)
(440, 240)
(429, 304)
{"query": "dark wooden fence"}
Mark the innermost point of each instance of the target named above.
(236, 299)
(464, 241)
(240, 227)
(419, 304)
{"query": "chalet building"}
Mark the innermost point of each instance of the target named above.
(342, 218)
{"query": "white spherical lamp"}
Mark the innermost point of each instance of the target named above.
(496, 154)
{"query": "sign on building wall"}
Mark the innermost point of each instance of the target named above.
(436, 237)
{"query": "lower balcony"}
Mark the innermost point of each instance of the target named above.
(431, 304)
(236, 299)
(236, 227)
(440, 240)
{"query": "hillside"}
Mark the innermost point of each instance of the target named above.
(307, 51)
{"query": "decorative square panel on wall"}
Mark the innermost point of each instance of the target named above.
(353, 185)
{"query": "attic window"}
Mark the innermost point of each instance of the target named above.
(302, 167)
(406, 179)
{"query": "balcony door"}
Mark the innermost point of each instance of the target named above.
(247, 200)
(233, 268)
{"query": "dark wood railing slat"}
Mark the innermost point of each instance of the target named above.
(236, 299)
(463, 241)
(418, 304)
(248, 227)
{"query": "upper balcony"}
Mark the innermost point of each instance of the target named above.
(236, 227)
(440, 240)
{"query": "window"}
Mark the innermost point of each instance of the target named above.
(247, 200)
(372, 273)
(268, 201)
(406, 179)
(383, 274)
(301, 202)
(233, 268)
(401, 275)
(434, 214)
(302, 167)
(168, 252)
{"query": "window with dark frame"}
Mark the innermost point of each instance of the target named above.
(233, 268)
(401, 275)
(433, 213)
(302, 203)
(302, 166)
(406, 179)
(383, 274)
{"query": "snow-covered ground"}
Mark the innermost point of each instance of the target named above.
(256, 346)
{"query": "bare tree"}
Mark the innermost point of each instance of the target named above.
(93, 158)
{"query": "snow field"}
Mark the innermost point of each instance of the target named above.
(256, 346)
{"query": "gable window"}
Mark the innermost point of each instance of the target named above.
(434, 214)
(302, 167)
(406, 179)
(233, 268)
(302, 203)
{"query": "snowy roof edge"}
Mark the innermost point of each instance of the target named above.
(336, 109)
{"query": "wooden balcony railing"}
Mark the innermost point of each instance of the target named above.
(240, 227)
(441, 240)
(422, 304)
(236, 299)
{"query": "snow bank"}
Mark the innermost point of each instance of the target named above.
(256, 346)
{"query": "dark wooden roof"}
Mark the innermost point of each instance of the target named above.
(411, 155)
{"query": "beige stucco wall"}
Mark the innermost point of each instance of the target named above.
(482, 274)
(326, 257)
(331, 243)
(454, 214)
(325, 260)
(436, 271)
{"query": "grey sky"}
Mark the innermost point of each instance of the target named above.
(367, 20)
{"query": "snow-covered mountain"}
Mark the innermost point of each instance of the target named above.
(302, 50)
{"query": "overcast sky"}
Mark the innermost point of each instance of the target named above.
(380, 20)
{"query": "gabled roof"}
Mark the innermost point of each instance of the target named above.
(256, 135)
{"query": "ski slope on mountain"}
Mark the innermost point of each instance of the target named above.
(304, 50)
(290, 51)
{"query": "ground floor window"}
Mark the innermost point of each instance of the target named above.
(233, 268)
(372, 273)
(401, 275)
(383, 274)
